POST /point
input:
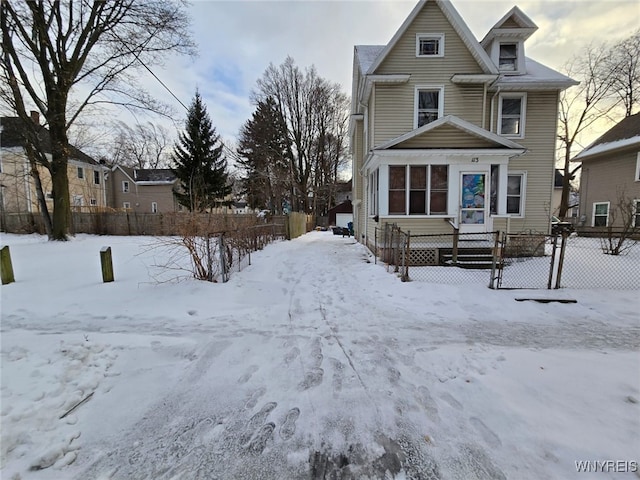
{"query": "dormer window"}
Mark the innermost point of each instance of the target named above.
(430, 45)
(508, 60)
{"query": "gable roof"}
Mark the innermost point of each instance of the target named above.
(513, 24)
(625, 134)
(457, 123)
(12, 134)
(148, 176)
(458, 25)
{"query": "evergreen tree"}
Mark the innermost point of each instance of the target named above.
(265, 154)
(199, 162)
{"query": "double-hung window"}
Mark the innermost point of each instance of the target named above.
(154, 207)
(511, 116)
(80, 172)
(515, 194)
(430, 45)
(636, 213)
(96, 177)
(508, 59)
(429, 105)
(427, 192)
(125, 186)
(397, 190)
(600, 214)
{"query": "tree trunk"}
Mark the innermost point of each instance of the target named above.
(59, 178)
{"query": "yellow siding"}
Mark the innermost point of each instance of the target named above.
(446, 137)
(538, 161)
(394, 105)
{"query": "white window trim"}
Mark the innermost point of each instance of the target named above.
(407, 192)
(422, 88)
(125, 186)
(373, 193)
(126, 205)
(93, 202)
(429, 36)
(80, 172)
(593, 213)
(523, 192)
(636, 210)
(154, 207)
(523, 113)
(637, 177)
(96, 176)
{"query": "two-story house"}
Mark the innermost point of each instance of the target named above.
(142, 190)
(448, 132)
(610, 177)
(86, 176)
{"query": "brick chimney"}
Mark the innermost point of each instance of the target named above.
(35, 117)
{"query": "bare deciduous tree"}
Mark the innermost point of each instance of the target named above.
(63, 57)
(301, 97)
(609, 78)
(145, 145)
(624, 229)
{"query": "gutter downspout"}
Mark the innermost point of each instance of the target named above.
(484, 105)
(492, 109)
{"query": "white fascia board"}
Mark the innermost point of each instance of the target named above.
(450, 152)
(439, 156)
(473, 78)
(458, 25)
(532, 85)
(607, 147)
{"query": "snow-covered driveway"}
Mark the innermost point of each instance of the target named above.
(311, 363)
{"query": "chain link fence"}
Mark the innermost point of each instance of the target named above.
(512, 261)
(567, 260)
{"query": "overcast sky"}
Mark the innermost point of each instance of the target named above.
(238, 39)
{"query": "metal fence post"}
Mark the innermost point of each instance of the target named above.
(408, 257)
(494, 260)
(554, 246)
(563, 247)
(223, 265)
(375, 245)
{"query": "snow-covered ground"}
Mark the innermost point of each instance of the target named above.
(311, 362)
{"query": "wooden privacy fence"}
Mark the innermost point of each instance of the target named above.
(132, 223)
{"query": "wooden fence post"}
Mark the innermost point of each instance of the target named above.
(107, 264)
(6, 269)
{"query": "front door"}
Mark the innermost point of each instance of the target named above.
(473, 204)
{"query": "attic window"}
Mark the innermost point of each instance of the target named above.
(508, 57)
(430, 45)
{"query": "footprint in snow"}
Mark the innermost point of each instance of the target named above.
(247, 375)
(259, 441)
(252, 401)
(257, 421)
(312, 378)
(288, 428)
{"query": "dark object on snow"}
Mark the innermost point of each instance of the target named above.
(547, 300)
(344, 231)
